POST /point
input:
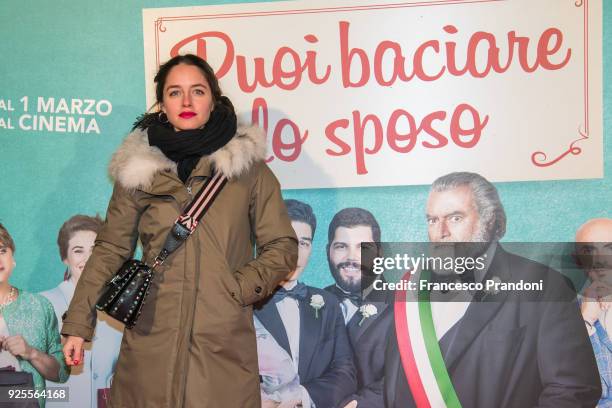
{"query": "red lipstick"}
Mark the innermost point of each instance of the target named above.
(187, 114)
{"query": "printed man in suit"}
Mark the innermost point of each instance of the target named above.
(300, 331)
(366, 313)
(516, 349)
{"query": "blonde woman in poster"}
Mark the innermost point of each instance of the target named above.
(76, 240)
(194, 344)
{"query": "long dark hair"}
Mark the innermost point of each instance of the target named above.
(160, 80)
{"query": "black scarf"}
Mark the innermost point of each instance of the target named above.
(186, 147)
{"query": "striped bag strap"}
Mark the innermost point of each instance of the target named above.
(187, 222)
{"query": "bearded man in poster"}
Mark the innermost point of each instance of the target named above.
(367, 313)
(520, 350)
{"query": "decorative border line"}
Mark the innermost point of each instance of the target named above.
(539, 158)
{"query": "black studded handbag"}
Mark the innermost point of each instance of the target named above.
(125, 294)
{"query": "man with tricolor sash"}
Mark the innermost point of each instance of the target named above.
(487, 349)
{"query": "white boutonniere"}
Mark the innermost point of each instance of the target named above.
(493, 291)
(496, 281)
(366, 311)
(317, 303)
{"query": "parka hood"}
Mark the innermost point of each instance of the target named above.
(135, 163)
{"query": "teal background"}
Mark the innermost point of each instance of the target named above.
(92, 49)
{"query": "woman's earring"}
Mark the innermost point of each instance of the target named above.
(14, 264)
(162, 117)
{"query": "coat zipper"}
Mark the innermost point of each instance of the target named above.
(189, 186)
(189, 189)
(196, 290)
(183, 381)
(190, 338)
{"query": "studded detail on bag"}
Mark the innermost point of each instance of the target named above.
(126, 292)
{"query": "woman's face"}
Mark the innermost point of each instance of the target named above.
(188, 100)
(80, 246)
(7, 263)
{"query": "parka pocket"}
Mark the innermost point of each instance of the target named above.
(231, 284)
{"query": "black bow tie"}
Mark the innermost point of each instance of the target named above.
(299, 292)
(355, 298)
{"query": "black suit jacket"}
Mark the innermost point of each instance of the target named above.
(519, 351)
(369, 342)
(326, 367)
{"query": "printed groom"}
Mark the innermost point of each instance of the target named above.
(301, 328)
(366, 313)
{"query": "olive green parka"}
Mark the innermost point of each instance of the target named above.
(194, 344)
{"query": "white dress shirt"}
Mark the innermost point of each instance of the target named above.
(289, 311)
(348, 310)
(451, 307)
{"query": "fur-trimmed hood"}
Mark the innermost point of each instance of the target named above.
(135, 163)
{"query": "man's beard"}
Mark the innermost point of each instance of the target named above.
(350, 285)
(475, 247)
(479, 242)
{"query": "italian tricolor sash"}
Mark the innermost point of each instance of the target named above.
(419, 351)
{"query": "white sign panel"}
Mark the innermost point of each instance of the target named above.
(373, 93)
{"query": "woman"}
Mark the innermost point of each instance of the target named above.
(194, 344)
(75, 241)
(29, 338)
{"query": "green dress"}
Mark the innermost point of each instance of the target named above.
(32, 316)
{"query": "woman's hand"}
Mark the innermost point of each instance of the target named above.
(73, 350)
(46, 365)
(17, 346)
